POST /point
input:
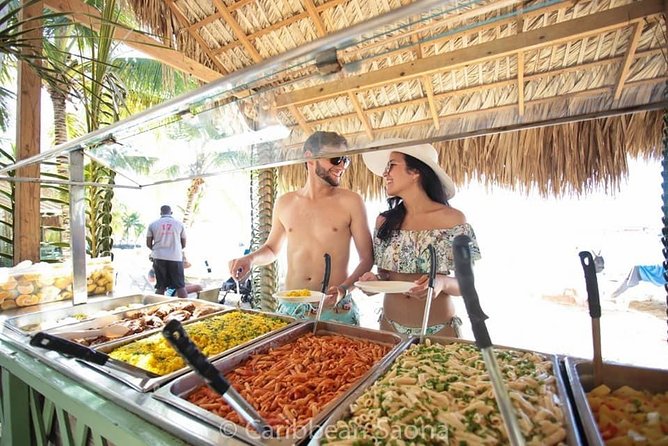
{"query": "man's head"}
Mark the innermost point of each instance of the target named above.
(329, 170)
(165, 210)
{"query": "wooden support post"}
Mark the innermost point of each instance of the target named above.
(27, 233)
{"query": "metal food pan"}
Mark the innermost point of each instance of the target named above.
(176, 393)
(18, 323)
(144, 384)
(343, 410)
(105, 321)
(581, 379)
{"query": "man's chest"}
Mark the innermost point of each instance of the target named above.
(317, 220)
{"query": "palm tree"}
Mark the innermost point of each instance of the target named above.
(131, 223)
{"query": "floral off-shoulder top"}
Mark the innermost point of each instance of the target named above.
(405, 251)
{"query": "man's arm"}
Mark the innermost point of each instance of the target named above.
(268, 252)
(149, 241)
(359, 229)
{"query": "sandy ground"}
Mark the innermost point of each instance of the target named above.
(633, 331)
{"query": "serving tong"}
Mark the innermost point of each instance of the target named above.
(594, 302)
(464, 274)
(179, 340)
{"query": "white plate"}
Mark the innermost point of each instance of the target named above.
(313, 298)
(384, 286)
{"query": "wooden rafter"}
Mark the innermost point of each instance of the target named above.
(236, 29)
(520, 82)
(90, 17)
(628, 59)
(218, 15)
(426, 82)
(361, 115)
(538, 38)
(183, 20)
(490, 86)
(282, 24)
(317, 21)
(306, 128)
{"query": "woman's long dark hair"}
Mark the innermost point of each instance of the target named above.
(429, 182)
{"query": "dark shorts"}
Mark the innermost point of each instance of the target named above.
(168, 274)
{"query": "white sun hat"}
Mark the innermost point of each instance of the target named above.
(377, 161)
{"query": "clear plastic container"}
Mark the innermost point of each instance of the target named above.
(100, 276)
(30, 284)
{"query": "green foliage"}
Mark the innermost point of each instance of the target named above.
(99, 231)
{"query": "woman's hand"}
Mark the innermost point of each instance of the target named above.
(419, 291)
(368, 277)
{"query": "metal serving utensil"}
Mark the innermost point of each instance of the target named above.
(179, 340)
(70, 348)
(594, 301)
(325, 285)
(430, 291)
(464, 274)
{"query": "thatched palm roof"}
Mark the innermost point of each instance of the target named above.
(471, 68)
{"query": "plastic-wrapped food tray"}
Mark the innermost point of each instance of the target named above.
(30, 323)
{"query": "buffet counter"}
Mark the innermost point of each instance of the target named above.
(269, 359)
(108, 409)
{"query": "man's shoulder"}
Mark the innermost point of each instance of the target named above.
(347, 194)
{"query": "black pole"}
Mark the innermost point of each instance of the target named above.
(664, 207)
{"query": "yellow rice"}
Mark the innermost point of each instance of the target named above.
(212, 335)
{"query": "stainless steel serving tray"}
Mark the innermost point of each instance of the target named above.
(343, 410)
(176, 392)
(17, 322)
(117, 316)
(148, 384)
(581, 379)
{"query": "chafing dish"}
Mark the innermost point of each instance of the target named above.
(177, 392)
(581, 379)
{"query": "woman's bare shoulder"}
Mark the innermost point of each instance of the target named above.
(447, 217)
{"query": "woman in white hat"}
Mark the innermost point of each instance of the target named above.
(419, 215)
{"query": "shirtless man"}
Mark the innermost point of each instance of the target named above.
(319, 218)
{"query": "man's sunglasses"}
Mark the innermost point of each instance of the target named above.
(340, 159)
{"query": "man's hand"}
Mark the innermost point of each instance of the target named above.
(368, 277)
(333, 296)
(240, 268)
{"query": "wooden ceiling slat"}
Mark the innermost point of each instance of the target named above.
(550, 35)
(306, 128)
(88, 16)
(183, 20)
(628, 59)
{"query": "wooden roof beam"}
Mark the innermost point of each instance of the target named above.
(361, 115)
(88, 16)
(550, 35)
(236, 29)
(181, 18)
(628, 59)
